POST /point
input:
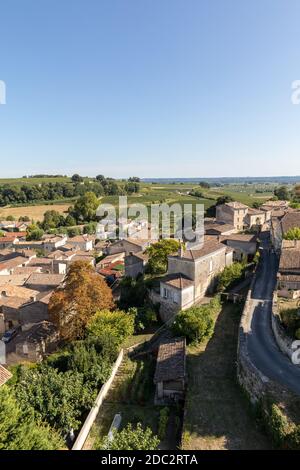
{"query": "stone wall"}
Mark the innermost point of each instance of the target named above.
(249, 377)
(283, 341)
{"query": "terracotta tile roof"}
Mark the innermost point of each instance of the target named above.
(170, 361)
(275, 204)
(289, 277)
(290, 221)
(80, 239)
(236, 205)
(13, 302)
(40, 331)
(241, 237)
(216, 227)
(14, 280)
(40, 262)
(179, 281)
(5, 375)
(8, 290)
(44, 279)
(25, 270)
(12, 263)
(209, 247)
(290, 260)
(252, 211)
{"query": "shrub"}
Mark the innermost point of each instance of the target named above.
(18, 431)
(230, 275)
(196, 323)
(117, 325)
(54, 397)
(131, 438)
(163, 422)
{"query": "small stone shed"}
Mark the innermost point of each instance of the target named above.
(170, 373)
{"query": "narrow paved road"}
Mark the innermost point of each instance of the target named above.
(262, 347)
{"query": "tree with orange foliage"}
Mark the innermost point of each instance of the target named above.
(83, 294)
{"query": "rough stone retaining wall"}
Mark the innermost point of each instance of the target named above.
(283, 341)
(249, 377)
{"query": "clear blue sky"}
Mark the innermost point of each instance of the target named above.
(150, 87)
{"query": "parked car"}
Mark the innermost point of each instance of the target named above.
(10, 334)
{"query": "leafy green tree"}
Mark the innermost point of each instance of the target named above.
(90, 228)
(117, 324)
(34, 233)
(204, 184)
(19, 431)
(158, 255)
(223, 199)
(73, 231)
(133, 292)
(132, 187)
(196, 323)
(70, 221)
(57, 398)
(85, 359)
(86, 206)
(77, 178)
(292, 234)
(230, 276)
(282, 193)
(52, 219)
(131, 438)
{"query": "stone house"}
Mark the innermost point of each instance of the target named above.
(233, 213)
(41, 339)
(241, 216)
(218, 229)
(135, 264)
(7, 266)
(170, 373)
(34, 312)
(255, 218)
(11, 239)
(55, 242)
(281, 224)
(288, 277)
(191, 275)
(127, 246)
(82, 242)
(243, 245)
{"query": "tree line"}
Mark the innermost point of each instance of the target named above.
(101, 186)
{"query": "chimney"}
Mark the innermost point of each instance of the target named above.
(180, 251)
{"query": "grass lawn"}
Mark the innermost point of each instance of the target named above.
(131, 394)
(217, 414)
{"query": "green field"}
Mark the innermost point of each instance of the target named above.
(153, 193)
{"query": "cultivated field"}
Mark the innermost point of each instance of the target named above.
(34, 212)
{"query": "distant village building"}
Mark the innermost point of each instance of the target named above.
(281, 224)
(289, 270)
(240, 216)
(244, 245)
(135, 264)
